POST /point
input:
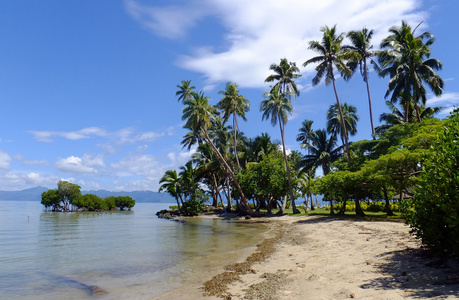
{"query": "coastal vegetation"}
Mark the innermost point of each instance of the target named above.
(68, 197)
(391, 172)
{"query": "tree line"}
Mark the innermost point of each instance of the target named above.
(390, 164)
(68, 197)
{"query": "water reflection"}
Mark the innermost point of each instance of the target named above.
(45, 255)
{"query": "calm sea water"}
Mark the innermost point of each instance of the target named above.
(130, 255)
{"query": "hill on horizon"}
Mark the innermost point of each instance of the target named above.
(34, 194)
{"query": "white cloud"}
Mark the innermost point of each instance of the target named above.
(47, 136)
(74, 164)
(125, 135)
(445, 99)
(261, 32)
(14, 180)
(5, 160)
(170, 22)
(138, 165)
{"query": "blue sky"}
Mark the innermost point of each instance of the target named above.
(87, 88)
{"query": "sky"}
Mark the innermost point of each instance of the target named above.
(87, 88)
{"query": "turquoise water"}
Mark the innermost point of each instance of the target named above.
(130, 255)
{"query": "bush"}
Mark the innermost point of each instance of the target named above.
(434, 215)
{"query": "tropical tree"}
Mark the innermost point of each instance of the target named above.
(185, 91)
(331, 54)
(199, 115)
(67, 192)
(172, 184)
(350, 117)
(361, 50)
(285, 74)
(233, 104)
(407, 61)
(305, 132)
(276, 107)
(396, 117)
(322, 151)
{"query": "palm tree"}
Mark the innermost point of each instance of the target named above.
(284, 74)
(276, 108)
(171, 183)
(199, 114)
(323, 152)
(233, 104)
(305, 132)
(209, 170)
(361, 51)
(188, 176)
(185, 91)
(350, 120)
(331, 54)
(397, 117)
(407, 61)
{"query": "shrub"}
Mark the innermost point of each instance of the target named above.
(434, 216)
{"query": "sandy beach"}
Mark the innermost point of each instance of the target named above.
(331, 258)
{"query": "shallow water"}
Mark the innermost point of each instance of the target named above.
(130, 255)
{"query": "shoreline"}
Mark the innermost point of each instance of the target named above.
(320, 257)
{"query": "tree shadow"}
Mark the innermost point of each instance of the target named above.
(417, 272)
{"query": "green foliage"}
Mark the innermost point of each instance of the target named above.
(435, 214)
(372, 206)
(51, 199)
(69, 194)
(195, 205)
(123, 202)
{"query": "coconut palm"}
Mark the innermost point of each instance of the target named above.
(285, 73)
(233, 104)
(276, 107)
(397, 117)
(407, 60)
(209, 170)
(171, 183)
(331, 55)
(350, 120)
(305, 132)
(185, 91)
(199, 115)
(322, 152)
(361, 50)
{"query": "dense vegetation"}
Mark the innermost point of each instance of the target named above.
(68, 197)
(398, 162)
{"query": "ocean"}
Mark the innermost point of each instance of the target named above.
(112, 255)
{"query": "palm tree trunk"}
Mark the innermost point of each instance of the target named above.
(369, 99)
(218, 190)
(228, 169)
(235, 140)
(342, 122)
(292, 198)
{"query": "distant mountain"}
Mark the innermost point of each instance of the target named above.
(34, 194)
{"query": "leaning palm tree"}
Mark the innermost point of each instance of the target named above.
(199, 114)
(285, 73)
(276, 108)
(323, 152)
(331, 54)
(185, 91)
(361, 50)
(407, 60)
(350, 117)
(172, 184)
(233, 104)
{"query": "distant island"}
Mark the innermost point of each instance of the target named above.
(34, 194)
